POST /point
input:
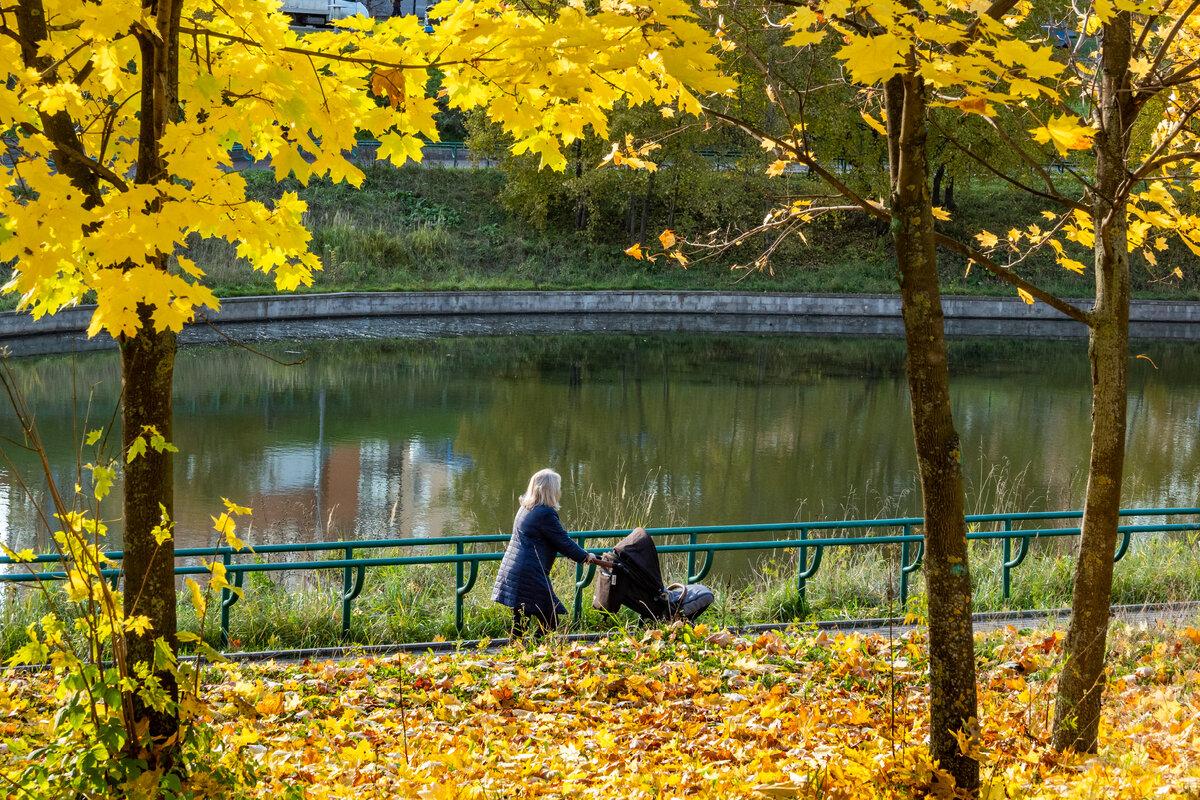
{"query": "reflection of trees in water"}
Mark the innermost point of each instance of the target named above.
(726, 428)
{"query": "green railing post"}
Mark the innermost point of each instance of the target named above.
(347, 594)
(1123, 548)
(577, 603)
(1011, 561)
(691, 558)
(459, 619)
(1005, 569)
(227, 603)
(907, 568)
(801, 578)
(806, 571)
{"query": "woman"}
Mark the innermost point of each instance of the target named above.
(523, 583)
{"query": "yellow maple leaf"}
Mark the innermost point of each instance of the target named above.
(234, 508)
(667, 239)
(777, 168)
(1026, 296)
(635, 250)
(198, 601)
(874, 124)
(987, 240)
(872, 58)
(389, 84)
(1065, 133)
(941, 213)
(227, 527)
(18, 555)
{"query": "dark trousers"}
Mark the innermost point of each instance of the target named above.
(536, 622)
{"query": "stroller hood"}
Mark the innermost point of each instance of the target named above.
(637, 556)
(635, 581)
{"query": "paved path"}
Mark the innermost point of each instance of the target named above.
(1156, 615)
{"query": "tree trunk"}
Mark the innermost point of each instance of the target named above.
(147, 365)
(147, 369)
(952, 703)
(646, 203)
(1081, 686)
(580, 198)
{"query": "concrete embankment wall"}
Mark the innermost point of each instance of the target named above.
(617, 311)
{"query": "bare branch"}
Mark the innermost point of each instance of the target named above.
(1052, 196)
(804, 158)
(1005, 274)
(1158, 163)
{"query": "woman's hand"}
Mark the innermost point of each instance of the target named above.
(600, 562)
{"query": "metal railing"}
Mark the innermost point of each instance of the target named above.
(902, 531)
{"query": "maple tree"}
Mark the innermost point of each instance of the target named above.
(119, 118)
(903, 58)
(1140, 133)
(936, 66)
(1138, 139)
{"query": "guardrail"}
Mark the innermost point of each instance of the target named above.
(809, 549)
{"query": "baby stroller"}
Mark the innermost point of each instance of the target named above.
(636, 582)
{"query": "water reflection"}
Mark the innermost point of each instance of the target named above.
(376, 438)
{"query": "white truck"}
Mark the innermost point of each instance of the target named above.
(318, 13)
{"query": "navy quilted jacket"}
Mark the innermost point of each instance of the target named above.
(524, 578)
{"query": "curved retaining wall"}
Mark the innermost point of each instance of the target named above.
(592, 310)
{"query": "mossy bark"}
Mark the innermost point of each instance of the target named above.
(1081, 686)
(953, 701)
(147, 367)
(147, 374)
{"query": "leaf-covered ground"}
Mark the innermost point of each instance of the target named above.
(689, 713)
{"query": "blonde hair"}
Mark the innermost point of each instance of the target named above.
(545, 489)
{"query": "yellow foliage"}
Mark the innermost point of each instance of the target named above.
(298, 100)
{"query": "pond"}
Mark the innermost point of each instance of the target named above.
(429, 436)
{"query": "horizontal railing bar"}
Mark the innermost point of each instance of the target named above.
(851, 524)
(701, 547)
(436, 541)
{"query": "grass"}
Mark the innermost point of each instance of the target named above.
(415, 603)
(448, 229)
